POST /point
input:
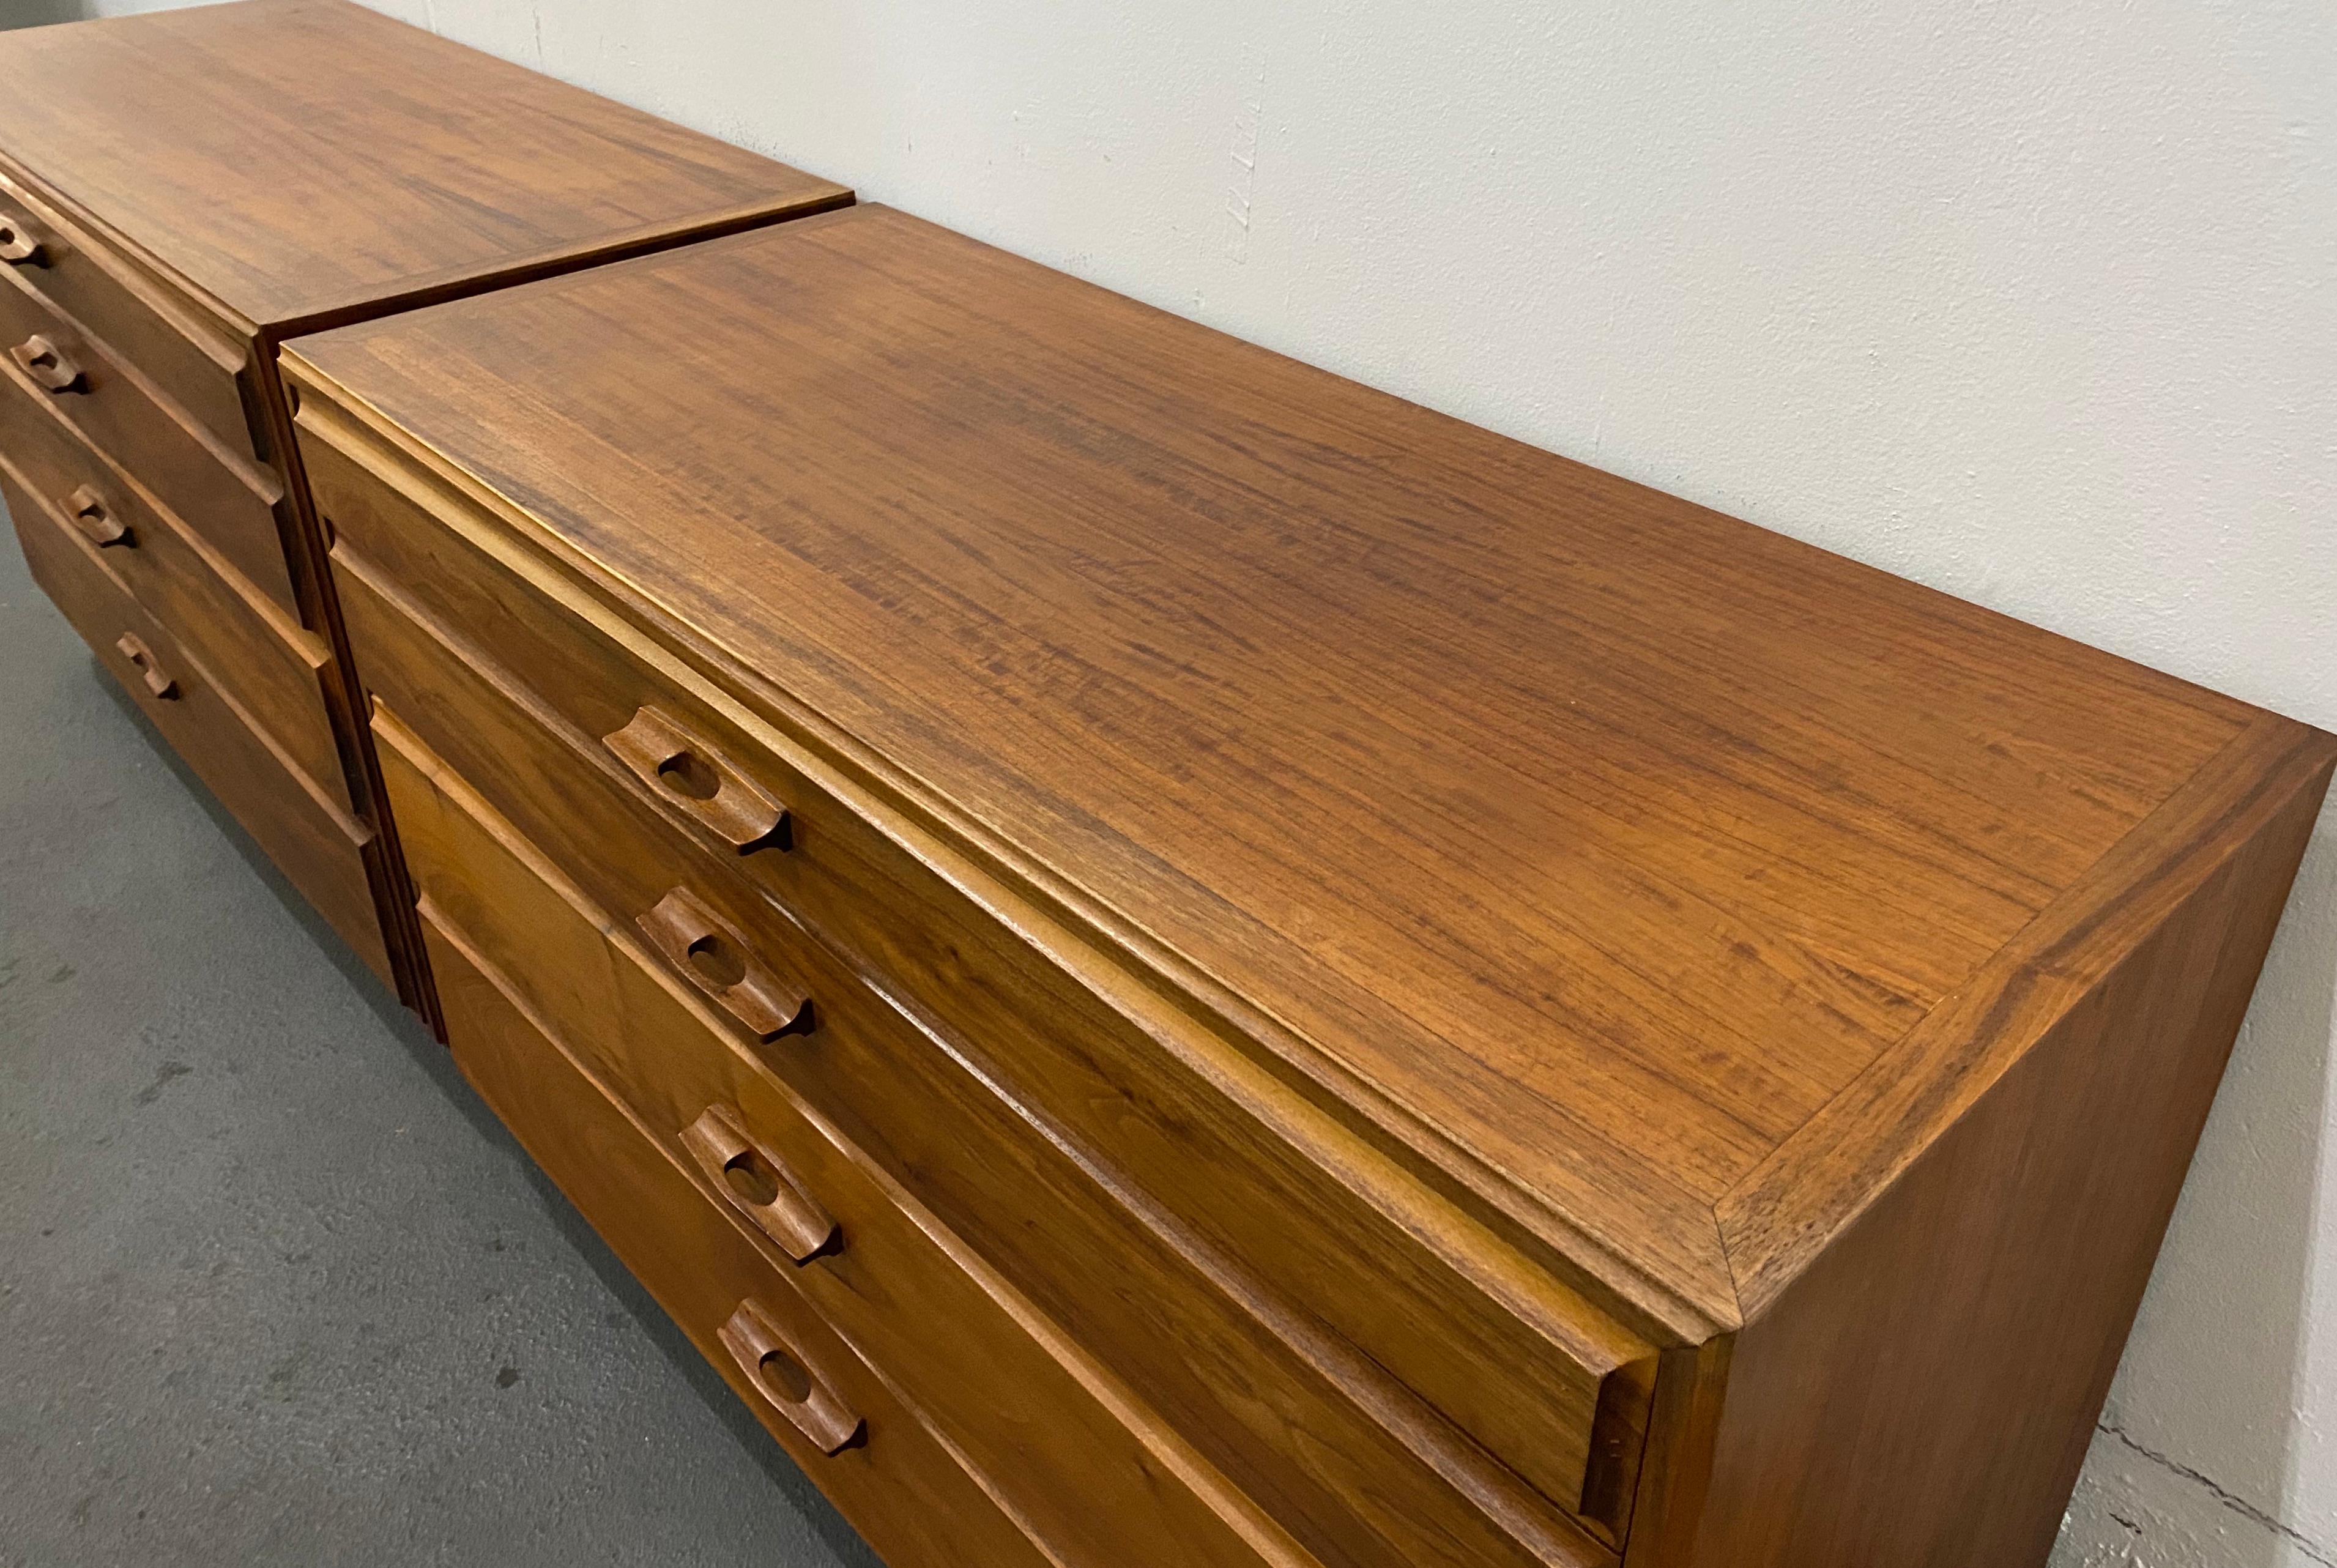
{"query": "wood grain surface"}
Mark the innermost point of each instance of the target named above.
(1037, 1173)
(228, 497)
(913, 1498)
(1102, 1477)
(317, 846)
(1577, 844)
(192, 360)
(1922, 1390)
(296, 162)
(279, 672)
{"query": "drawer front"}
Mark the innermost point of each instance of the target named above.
(1087, 1467)
(194, 365)
(1261, 1394)
(1527, 1368)
(226, 499)
(319, 849)
(278, 671)
(863, 1443)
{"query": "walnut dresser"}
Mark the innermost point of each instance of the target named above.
(1166, 959)
(181, 191)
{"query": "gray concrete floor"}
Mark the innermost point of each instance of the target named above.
(275, 1287)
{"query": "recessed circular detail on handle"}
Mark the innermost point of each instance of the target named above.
(689, 773)
(717, 961)
(783, 1377)
(714, 957)
(753, 1180)
(49, 364)
(775, 1365)
(685, 773)
(95, 519)
(20, 244)
(133, 647)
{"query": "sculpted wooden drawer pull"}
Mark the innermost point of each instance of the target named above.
(95, 520)
(692, 774)
(49, 364)
(760, 1185)
(772, 1362)
(700, 944)
(21, 244)
(133, 648)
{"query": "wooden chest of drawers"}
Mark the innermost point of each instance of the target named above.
(1182, 962)
(178, 193)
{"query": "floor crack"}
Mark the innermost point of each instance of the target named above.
(2237, 1505)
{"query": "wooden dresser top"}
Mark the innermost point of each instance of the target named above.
(1671, 881)
(301, 161)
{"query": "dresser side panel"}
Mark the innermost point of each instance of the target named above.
(1925, 1391)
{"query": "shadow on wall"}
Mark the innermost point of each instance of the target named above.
(2196, 1463)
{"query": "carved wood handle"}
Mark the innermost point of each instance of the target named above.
(133, 647)
(689, 770)
(717, 960)
(21, 243)
(49, 364)
(760, 1185)
(778, 1368)
(95, 519)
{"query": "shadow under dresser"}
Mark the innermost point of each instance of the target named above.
(1169, 959)
(179, 192)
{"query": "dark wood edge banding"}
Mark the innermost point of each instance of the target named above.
(394, 894)
(457, 284)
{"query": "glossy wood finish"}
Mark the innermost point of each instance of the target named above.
(1588, 977)
(180, 190)
(116, 408)
(195, 363)
(900, 1484)
(1140, 620)
(1080, 1460)
(301, 161)
(281, 673)
(1346, 1459)
(1941, 1364)
(317, 846)
(1421, 1294)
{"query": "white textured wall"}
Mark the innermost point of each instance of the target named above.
(2035, 301)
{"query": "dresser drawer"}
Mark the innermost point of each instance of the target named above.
(193, 366)
(1088, 1468)
(278, 670)
(1527, 1369)
(1331, 1449)
(226, 499)
(861, 1441)
(316, 846)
